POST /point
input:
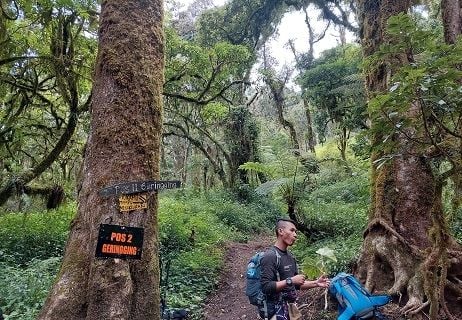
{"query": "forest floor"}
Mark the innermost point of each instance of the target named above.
(229, 301)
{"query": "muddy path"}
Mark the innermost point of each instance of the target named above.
(229, 301)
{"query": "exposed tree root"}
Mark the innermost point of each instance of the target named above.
(379, 222)
(426, 280)
(414, 308)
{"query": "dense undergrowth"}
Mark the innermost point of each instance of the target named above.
(193, 226)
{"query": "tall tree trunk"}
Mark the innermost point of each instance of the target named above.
(392, 257)
(276, 87)
(450, 12)
(406, 249)
(242, 139)
(123, 146)
(309, 126)
(452, 22)
(342, 142)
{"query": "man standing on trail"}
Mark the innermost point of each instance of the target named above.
(279, 274)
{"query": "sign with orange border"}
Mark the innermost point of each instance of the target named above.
(119, 242)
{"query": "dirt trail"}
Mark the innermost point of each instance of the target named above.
(229, 301)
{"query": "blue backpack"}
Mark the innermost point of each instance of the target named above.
(355, 302)
(253, 286)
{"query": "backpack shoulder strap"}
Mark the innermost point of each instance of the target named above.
(278, 262)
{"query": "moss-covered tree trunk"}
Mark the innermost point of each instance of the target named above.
(406, 249)
(242, 138)
(310, 137)
(123, 146)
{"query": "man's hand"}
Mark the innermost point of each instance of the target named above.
(298, 280)
(323, 282)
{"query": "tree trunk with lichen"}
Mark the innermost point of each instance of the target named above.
(123, 146)
(406, 249)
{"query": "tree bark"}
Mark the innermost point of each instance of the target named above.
(309, 127)
(123, 146)
(451, 16)
(406, 248)
(277, 90)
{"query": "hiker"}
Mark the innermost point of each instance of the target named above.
(279, 275)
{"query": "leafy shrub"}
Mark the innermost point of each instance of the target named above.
(245, 214)
(334, 219)
(345, 249)
(336, 214)
(349, 190)
(23, 290)
(38, 235)
(186, 222)
(361, 146)
(193, 275)
(193, 227)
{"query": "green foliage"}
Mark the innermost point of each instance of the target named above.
(256, 168)
(456, 224)
(214, 111)
(242, 139)
(193, 276)
(193, 229)
(315, 268)
(270, 186)
(260, 19)
(361, 146)
(350, 190)
(344, 247)
(431, 81)
(23, 290)
(333, 85)
(48, 51)
(334, 219)
(336, 214)
(329, 151)
(252, 212)
(188, 222)
(194, 71)
(39, 235)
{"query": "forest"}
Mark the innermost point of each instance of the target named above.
(138, 138)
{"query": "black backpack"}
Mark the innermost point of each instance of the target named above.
(253, 286)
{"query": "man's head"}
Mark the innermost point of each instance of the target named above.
(286, 231)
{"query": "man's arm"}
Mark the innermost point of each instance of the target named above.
(269, 275)
(322, 282)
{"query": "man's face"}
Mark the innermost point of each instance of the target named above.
(288, 233)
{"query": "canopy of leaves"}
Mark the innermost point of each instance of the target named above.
(46, 60)
(199, 75)
(248, 23)
(431, 81)
(334, 87)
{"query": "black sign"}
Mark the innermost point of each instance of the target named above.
(119, 242)
(140, 186)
